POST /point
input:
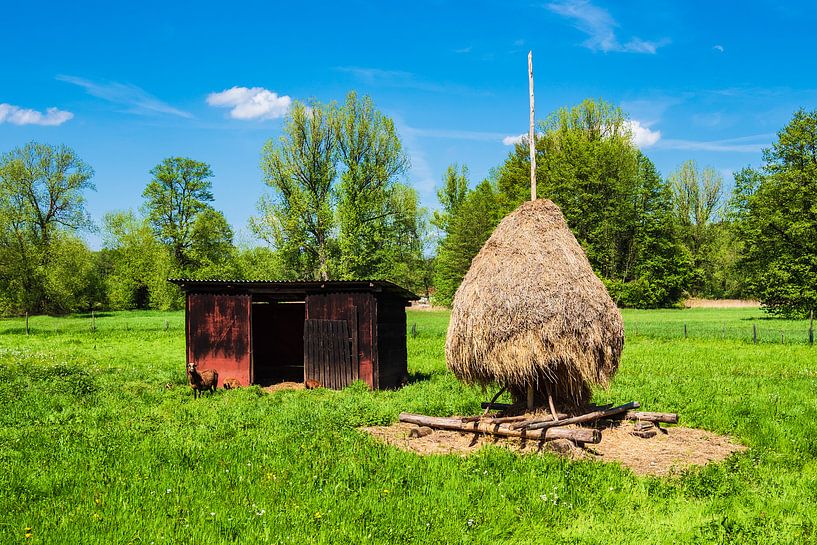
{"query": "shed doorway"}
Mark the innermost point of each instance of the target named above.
(278, 341)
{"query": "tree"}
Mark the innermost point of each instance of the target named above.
(698, 202)
(211, 251)
(42, 194)
(370, 205)
(181, 189)
(475, 220)
(451, 195)
(137, 265)
(776, 218)
(609, 194)
(300, 168)
(337, 208)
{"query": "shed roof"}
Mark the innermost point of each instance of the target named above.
(292, 288)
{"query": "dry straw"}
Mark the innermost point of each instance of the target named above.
(530, 311)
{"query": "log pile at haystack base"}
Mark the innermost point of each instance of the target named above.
(547, 427)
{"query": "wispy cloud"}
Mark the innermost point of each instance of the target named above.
(744, 144)
(251, 103)
(134, 99)
(463, 50)
(514, 140)
(16, 115)
(718, 48)
(599, 26)
(406, 80)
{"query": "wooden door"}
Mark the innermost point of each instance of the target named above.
(328, 353)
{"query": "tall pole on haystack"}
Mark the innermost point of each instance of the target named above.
(531, 142)
(532, 146)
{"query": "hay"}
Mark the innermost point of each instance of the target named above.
(530, 311)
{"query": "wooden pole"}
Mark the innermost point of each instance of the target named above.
(811, 328)
(589, 417)
(493, 400)
(581, 435)
(530, 397)
(754, 333)
(531, 133)
(26, 322)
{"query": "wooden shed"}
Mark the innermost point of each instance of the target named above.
(266, 332)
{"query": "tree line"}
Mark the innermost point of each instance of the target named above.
(339, 206)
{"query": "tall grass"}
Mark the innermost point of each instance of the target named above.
(102, 442)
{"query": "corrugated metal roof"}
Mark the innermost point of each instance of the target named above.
(290, 287)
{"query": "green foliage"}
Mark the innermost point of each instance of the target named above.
(777, 217)
(95, 447)
(297, 220)
(468, 228)
(138, 265)
(181, 189)
(611, 196)
(375, 214)
(698, 203)
(337, 209)
(451, 195)
(42, 202)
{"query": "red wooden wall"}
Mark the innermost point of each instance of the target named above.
(218, 335)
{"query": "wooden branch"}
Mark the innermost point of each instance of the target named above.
(498, 406)
(589, 417)
(493, 400)
(666, 418)
(582, 435)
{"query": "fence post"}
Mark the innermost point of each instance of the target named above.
(685, 330)
(26, 322)
(167, 325)
(93, 321)
(754, 333)
(811, 328)
(414, 330)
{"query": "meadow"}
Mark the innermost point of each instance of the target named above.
(102, 442)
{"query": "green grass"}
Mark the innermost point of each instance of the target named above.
(94, 448)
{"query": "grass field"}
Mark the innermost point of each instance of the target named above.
(94, 448)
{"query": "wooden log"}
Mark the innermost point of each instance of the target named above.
(527, 420)
(589, 417)
(666, 418)
(505, 419)
(583, 435)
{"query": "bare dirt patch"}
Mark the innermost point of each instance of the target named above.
(664, 454)
(285, 386)
(721, 303)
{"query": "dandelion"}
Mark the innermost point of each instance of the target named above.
(28, 532)
(385, 491)
(317, 515)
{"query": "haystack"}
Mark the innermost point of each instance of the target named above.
(530, 311)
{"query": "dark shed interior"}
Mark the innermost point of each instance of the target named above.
(264, 332)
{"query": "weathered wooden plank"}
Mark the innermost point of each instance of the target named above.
(355, 350)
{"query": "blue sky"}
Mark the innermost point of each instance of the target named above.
(127, 85)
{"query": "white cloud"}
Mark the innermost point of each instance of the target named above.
(514, 140)
(599, 26)
(718, 48)
(25, 116)
(251, 102)
(135, 99)
(643, 137)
